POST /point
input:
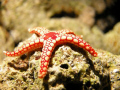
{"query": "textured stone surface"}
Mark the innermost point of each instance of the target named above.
(70, 68)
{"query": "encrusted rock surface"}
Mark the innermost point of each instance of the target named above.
(70, 68)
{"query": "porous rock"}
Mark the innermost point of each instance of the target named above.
(70, 67)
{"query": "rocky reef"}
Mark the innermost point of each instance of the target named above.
(70, 68)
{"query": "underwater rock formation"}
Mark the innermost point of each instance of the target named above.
(70, 68)
(111, 41)
(26, 14)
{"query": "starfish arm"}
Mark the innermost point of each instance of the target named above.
(48, 40)
(45, 57)
(26, 48)
(38, 30)
(76, 40)
(65, 31)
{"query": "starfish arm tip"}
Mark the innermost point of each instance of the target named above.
(81, 36)
(29, 30)
(96, 54)
(4, 52)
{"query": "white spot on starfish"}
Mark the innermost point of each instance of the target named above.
(81, 44)
(75, 40)
(87, 47)
(46, 58)
(45, 63)
(37, 41)
(58, 39)
(48, 53)
(50, 48)
(69, 38)
(41, 40)
(52, 44)
(63, 37)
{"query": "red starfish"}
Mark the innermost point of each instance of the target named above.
(49, 40)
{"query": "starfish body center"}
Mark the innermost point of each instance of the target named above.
(50, 34)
